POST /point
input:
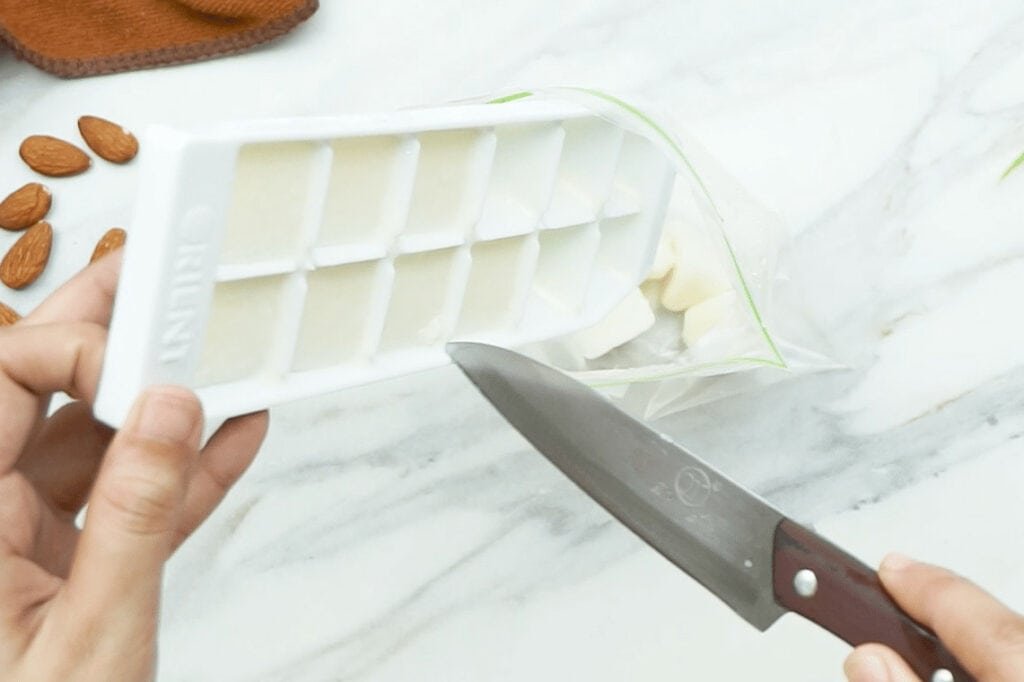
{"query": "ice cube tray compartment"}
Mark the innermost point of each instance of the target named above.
(270, 198)
(333, 252)
(242, 330)
(638, 177)
(367, 195)
(451, 176)
(585, 170)
(495, 294)
(423, 299)
(522, 177)
(564, 269)
(338, 321)
(623, 247)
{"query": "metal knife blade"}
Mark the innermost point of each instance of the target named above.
(696, 517)
(760, 563)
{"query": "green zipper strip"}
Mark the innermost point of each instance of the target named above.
(1013, 166)
(510, 98)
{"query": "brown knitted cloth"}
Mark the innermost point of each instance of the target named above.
(72, 38)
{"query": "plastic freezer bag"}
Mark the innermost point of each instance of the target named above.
(705, 324)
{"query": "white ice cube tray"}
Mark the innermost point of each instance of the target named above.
(274, 260)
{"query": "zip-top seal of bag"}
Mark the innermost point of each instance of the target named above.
(93, 37)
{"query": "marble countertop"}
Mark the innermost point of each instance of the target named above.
(402, 531)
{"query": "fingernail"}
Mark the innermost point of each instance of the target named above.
(866, 667)
(168, 414)
(896, 562)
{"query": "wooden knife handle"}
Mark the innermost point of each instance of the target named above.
(845, 597)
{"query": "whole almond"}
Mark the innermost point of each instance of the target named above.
(53, 156)
(113, 239)
(27, 258)
(8, 315)
(109, 140)
(25, 207)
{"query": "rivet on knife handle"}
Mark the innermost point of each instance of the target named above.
(826, 585)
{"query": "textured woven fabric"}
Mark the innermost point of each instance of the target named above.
(73, 38)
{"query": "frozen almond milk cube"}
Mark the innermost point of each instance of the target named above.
(241, 333)
(366, 198)
(420, 309)
(270, 198)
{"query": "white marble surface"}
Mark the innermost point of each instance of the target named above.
(403, 532)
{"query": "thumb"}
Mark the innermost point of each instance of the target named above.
(986, 636)
(135, 506)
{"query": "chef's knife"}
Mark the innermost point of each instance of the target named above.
(760, 563)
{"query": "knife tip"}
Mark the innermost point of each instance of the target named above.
(459, 351)
(452, 348)
(471, 354)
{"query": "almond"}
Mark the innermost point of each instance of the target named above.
(109, 140)
(112, 240)
(27, 258)
(25, 207)
(53, 156)
(8, 315)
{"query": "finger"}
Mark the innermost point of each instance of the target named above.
(86, 297)
(25, 589)
(31, 529)
(36, 361)
(62, 460)
(221, 463)
(984, 635)
(876, 663)
(54, 542)
(135, 508)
